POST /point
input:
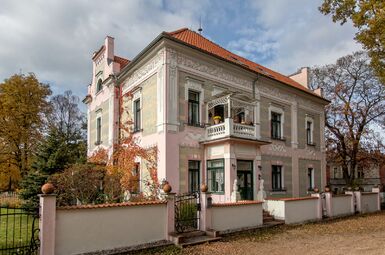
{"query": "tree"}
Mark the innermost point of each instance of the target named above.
(63, 146)
(65, 143)
(23, 108)
(368, 16)
(357, 102)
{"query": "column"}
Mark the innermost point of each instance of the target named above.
(294, 145)
(47, 224)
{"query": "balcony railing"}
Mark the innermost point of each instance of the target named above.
(229, 128)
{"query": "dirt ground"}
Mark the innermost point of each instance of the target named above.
(355, 235)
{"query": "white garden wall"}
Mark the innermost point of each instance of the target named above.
(294, 210)
(80, 230)
(369, 202)
(342, 205)
(228, 217)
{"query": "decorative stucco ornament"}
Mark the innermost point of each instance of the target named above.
(47, 188)
(235, 195)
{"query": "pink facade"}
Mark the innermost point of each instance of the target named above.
(163, 81)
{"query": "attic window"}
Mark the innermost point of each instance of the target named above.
(99, 86)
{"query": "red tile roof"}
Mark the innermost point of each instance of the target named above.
(122, 61)
(196, 40)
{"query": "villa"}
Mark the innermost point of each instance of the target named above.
(214, 116)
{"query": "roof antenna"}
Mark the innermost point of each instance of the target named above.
(200, 29)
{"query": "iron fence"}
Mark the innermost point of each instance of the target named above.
(19, 231)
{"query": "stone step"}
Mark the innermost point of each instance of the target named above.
(178, 238)
(198, 240)
(273, 223)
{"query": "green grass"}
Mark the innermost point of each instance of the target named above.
(16, 227)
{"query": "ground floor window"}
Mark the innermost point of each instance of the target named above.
(193, 175)
(310, 176)
(135, 179)
(276, 179)
(216, 176)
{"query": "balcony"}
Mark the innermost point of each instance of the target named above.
(231, 129)
(240, 115)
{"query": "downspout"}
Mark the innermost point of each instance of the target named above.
(255, 85)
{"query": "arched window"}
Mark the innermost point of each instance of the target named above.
(99, 86)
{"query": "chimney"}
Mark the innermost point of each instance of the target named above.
(301, 76)
(109, 44)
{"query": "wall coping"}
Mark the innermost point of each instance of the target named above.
(112, 205)
(239, 203)
(342, 195)
(368, 193)
(289, 199)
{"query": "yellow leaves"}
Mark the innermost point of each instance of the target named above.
(23, 104)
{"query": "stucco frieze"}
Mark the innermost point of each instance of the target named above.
(150, 67)
(221, 74)
(204, 67)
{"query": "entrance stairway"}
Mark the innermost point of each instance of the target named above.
(269, 220)
(194, 237)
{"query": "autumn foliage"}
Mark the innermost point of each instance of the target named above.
(123, 164)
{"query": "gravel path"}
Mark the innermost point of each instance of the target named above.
(354, 235)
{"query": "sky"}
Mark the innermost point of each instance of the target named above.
(55, 39)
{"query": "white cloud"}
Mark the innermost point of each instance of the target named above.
(55, 39)
(297, 35)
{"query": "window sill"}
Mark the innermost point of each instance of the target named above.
(97, 93)
(311, 144)
(216, 193)
(278, 191)
(137, 131)
(197, 125)
(283, 139)
(98, 143)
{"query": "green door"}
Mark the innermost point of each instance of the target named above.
(245, 179)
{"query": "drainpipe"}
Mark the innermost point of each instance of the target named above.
(255, 85)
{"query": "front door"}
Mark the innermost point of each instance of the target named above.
(245, 179)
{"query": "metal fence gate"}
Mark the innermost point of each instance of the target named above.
(187, 210)
(19, 231)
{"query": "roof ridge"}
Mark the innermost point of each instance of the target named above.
(178, 31)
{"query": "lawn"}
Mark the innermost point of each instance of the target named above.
(16, 228)
(364, 234)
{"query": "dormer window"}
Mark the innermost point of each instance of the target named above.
(99, 86)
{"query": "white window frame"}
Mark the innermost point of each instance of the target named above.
(278, 110)
(135, 96)
(283, 187)
(197, 86)
(312, 177)
(99, 114)
(309, 119)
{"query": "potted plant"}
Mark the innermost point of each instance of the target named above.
(217, 119)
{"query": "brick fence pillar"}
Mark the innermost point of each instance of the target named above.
(205, 214)
(328, 202)
(47, 224)
(170, 214)
(357, 197)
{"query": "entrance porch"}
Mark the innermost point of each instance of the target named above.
(231, 162)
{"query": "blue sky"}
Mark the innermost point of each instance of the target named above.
(55, 39)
